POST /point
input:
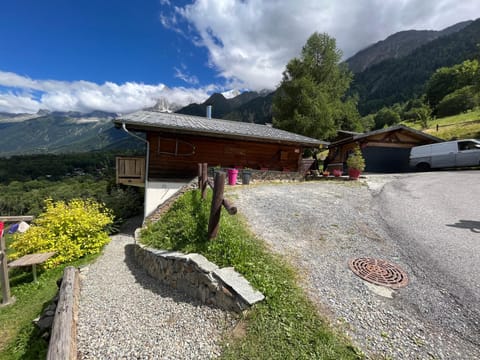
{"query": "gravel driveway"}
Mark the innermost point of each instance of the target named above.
(319, 226)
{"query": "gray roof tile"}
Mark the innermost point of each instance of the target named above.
(179, 123)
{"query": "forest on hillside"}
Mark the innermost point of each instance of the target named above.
(27, 181)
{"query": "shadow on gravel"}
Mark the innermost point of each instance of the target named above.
(130, 225)
(473, 226)
(154, 285)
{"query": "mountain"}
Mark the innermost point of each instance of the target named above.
(60, 132)
(392, 70)
(223, 108)
(398, 80)
(397, 46)
(163, 105)
(257, 110)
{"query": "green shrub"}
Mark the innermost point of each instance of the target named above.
(458, 101)
(72, 229)
(386, 117)
(356, 160)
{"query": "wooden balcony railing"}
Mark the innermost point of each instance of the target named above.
(130, 170)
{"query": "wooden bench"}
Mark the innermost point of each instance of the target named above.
(32, 260)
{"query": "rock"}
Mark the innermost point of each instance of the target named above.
(239, 284)
(45, 322)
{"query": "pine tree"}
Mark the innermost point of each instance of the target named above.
(311, 97)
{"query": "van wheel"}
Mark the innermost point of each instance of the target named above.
(423, 167)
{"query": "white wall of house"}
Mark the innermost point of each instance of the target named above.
(157, 192)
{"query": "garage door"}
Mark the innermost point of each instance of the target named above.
(385, 159)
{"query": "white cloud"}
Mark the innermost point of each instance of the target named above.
(10, 102)
(25, 95)
(251, 41)
(183, 75)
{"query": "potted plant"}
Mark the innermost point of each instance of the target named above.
(356, 164)
(337, 172)
(326, 173)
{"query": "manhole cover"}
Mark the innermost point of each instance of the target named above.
(379, 272)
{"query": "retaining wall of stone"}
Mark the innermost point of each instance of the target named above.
(264, 175)
(195, 275)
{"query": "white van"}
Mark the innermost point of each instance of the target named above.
(457, 153)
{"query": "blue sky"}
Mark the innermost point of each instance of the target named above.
(124, 55)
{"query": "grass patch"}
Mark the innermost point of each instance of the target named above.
(19, 338)
(284, 326)
(453, 127)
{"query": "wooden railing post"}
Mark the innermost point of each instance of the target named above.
(4, 282)
(200, 178)
(205, 180)
(216, 208)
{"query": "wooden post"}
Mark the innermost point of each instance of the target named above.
(4, 269)
(200, 178)
(205, 180)
(4, 282)
(216, 208)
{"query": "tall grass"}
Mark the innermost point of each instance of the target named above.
(462, 126)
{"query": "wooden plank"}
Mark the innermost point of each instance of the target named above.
(63, 344)
(16, 218)
(31, 259)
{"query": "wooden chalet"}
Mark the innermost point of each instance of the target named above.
(385, 150)
(176, 143)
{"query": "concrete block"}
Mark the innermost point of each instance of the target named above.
(239, 284)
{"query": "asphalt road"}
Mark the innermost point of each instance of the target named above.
(435, 219)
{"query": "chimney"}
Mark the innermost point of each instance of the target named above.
(209, 111)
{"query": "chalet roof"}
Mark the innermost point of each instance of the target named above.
(196, 125)
(358, 136)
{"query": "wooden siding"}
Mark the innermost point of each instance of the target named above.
(393, 139)
(178, 155)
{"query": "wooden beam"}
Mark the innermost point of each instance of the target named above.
(16, 218)
(377, 143)
(63, 343)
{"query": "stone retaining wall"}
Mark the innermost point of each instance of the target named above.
(199, 278)
(264, 175)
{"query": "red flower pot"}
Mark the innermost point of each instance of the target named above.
(354, 174)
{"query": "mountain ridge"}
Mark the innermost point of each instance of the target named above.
(398, 45)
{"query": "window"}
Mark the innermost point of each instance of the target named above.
(175, 147)
(468, 145)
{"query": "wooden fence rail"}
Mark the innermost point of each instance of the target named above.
(218, 186)
(63, 343)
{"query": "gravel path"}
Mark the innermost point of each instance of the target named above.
(319, 226)
(125, 314)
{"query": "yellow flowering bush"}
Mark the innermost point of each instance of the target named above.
(72, 229)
